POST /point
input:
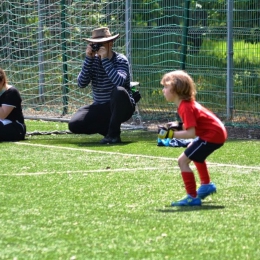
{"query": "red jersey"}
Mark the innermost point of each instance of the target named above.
(207, 126)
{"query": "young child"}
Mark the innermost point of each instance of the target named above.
(198, 122)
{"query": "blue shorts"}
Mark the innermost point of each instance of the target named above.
(199, 150)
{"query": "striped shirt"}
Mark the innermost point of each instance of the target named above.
(105, 75)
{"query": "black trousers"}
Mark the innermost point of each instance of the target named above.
(105, 118)
(12, 132)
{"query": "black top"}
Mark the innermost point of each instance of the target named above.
(11, 97)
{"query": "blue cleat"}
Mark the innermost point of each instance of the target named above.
(187, 201)
(206, 189)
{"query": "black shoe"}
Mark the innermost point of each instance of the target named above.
(111, 140)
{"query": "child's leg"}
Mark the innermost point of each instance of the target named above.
(197, 152)
(187, 175)
(203, 172)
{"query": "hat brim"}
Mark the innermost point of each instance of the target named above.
(105, 39)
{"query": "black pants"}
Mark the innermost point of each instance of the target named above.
(12, 132)
(105, 118)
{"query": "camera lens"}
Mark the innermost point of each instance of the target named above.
(96, 46)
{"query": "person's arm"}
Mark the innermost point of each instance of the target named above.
(188, 117)
(84, 76)
(185, 134)
(5, 111)
(11, 101)
(117, 75)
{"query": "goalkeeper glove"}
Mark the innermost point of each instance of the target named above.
(164, 132)
(175, 125)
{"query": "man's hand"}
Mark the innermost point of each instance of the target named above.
(102, 52)
(89, 51)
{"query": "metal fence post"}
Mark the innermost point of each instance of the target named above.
(65, 88)
(230, 54)
(128, 36)
(185, 34)
(40, 51)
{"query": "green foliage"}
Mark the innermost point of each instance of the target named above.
(157, 45)
(210, 80)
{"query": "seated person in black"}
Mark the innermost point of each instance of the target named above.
(12, 126)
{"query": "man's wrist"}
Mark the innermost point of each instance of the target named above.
(89, 57)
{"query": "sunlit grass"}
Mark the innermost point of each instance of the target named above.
(243, 51)
(67, 197)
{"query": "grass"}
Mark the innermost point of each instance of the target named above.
(67, 197)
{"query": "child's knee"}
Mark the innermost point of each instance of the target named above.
(183, 160)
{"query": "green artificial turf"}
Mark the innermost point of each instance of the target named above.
(68, 197)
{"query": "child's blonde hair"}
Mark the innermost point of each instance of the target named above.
(181, 83)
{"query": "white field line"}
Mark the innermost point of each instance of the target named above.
(136, 155)
(88, 171)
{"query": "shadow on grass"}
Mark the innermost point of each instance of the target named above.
(88, 144)
(88, 140)
(81, 144)
(205, 206)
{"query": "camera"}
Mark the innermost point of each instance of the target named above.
(96, 46)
